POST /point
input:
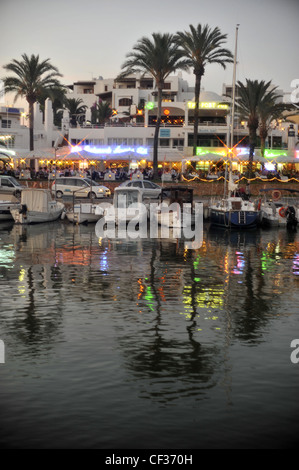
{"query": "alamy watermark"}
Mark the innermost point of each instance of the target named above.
(295, 93)
(2, 352)
(154, 221)
(2, 88)
(295, 353)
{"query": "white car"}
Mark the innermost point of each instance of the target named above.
(79, 187)
(10, 185)
(148, 188)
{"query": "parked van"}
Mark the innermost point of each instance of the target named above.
(9, 185)
(80, 187)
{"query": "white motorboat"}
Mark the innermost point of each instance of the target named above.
(128, 204)
(37, 206)
(274, 210)
(272, 215)
(83, 213)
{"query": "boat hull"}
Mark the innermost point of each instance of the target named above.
(32, 217)
(5, 211)
(5, 215)
(234, 219)
(77, 218)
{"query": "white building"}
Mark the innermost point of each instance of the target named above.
(134, 98)
(130, 132)
(14, 133)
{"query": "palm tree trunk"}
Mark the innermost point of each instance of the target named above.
(196, 111)
(156, 137)
(263, 136)
(31, 126)
(252, 144)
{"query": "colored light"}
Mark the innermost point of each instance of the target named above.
(150, 105)
(166, 112)
(208, 105)
(275, 153)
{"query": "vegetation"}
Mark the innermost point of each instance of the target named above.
(269, 111)
(251, 98)
(159, 56)
(31, 79)
(101, 112)
(202, 45)
(76, 107)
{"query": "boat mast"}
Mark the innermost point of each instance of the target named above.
(234, 91)
(232, 118)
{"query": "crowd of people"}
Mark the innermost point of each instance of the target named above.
(123, 174)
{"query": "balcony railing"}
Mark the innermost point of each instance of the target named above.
(132, 124)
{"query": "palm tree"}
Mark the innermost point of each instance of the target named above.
(31, 78)
(270, 111)
(159, 56)
(57, 96)
(101, 112)
(251, 97)
(202, 45)
(76, 107)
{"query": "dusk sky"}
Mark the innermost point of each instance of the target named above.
(91, 39)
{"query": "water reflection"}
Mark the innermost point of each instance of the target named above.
(172, 313)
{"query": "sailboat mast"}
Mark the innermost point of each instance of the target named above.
(230, 140)
(234, 91)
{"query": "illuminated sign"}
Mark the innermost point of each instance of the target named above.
(208, 105)
(235, 152)
(109, 150)
(275, 153)
(270, 166)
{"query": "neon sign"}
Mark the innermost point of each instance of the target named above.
(208, 105)
(109, 150)
(275, 153)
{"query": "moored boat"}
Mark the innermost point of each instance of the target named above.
(234, 212)
(37, 206)
(176, 207)
(274, 206)
(128, 204)
(83, 213)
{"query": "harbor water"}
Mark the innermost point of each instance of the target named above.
(142, 344)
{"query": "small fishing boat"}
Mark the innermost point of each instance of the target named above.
(176, 207)
(83, 214)
(37, 206)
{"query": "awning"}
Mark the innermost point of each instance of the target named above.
(4, 158)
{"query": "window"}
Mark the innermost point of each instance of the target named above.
(178, 142)
(125, 102)
(137, 184)
(6, 183)
(148, 185)
(6, 124)
(167, 86)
